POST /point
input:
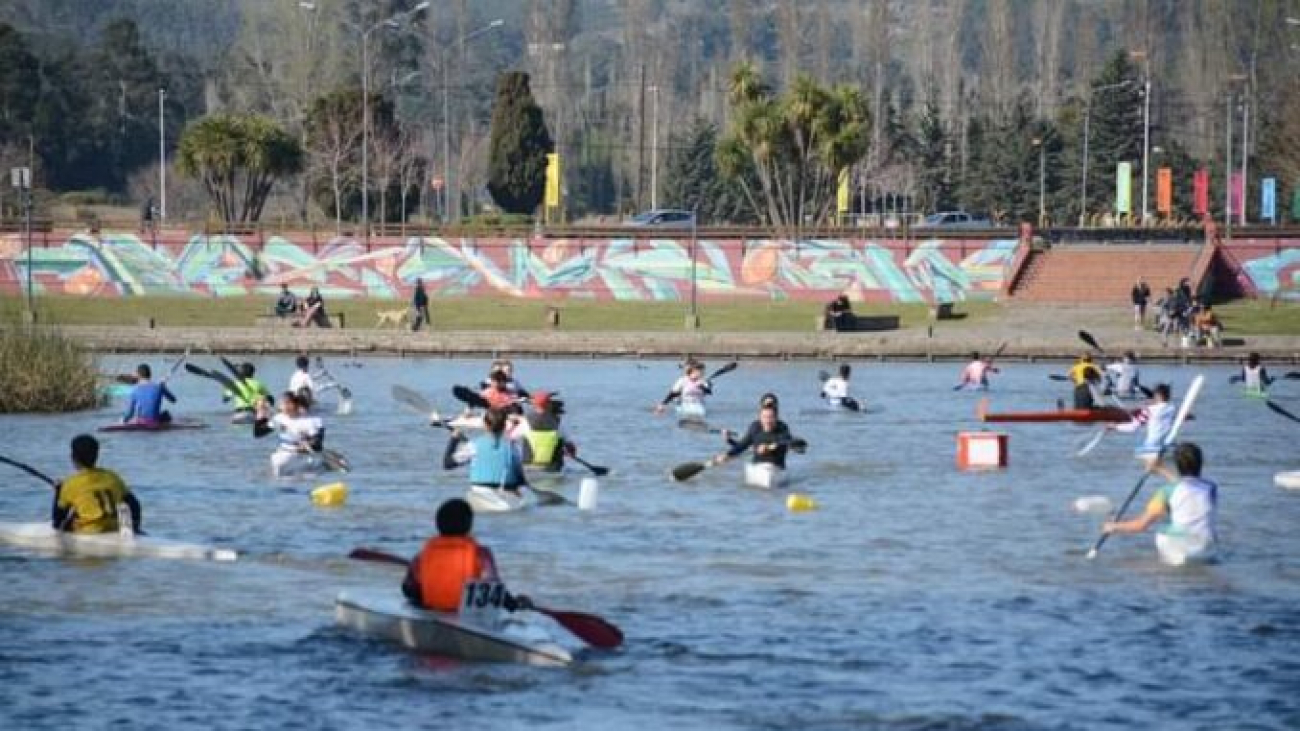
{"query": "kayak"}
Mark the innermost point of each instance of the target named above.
(243, 417)
(1113, 414)
(764, 475)
(297, 464)
(467, 421)
(149, 426)
(388, 616)
(1255, 393)
(491, 500)
(43, 537)
(541, 475)
(1181, 550)
(1287, 480)
(691, 410)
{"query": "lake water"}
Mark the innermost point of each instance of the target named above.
(916, 597)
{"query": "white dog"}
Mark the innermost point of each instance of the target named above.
(396, 318)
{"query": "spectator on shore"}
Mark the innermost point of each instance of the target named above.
(286, 305)
(839, 312)
(1208, 327)
(313, 312)
(1141, 294)
(420, 303)
(146, 215)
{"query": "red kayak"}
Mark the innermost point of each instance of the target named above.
(1113, 414)
(153, 426)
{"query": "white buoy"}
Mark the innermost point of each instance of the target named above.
(1093, 504)
(587, 493)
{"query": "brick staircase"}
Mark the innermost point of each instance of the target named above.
(1080, 273)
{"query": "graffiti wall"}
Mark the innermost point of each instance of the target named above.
(1264, 267)
(124, 264)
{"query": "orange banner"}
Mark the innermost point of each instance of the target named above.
(1165, 191)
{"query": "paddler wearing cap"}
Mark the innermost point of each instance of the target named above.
(436, 577)
(542, 440)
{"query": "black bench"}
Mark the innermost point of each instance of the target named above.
(859, 323)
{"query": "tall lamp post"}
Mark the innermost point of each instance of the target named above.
(1146, 126)
(1041, 144)
(162, 158)
(391, 21)
(446, 113)
(1087, 119)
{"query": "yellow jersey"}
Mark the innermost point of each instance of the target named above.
(93, 495)
(1077, 373)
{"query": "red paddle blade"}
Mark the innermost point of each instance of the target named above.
(370, 554)
(589, 628)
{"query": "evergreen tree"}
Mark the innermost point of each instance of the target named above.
(933, 162)
(123, 82)
(1115, 133)
(518, 147)
(692, 181)
(19, 86)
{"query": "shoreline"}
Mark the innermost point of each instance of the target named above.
(1028, 344)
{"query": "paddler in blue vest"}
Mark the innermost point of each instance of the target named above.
(248, 390)
(543, 441)
(90, 501)
(493, 458)
(145, 405)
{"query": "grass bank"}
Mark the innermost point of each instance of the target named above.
(43, 371)
(488, 313)
(1259, 317)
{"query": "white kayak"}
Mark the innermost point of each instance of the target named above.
(764, 475)
(297, 464)
(43, 537)
(243, 416)
(467, 421)
(691, 410)
(387, 615)
(491, 500)
(1287, 480)
(1181, 550)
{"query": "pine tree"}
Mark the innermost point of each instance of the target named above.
(518, 147)
(932, 163)
(1115, 129)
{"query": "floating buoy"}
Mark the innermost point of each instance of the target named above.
(330, 496)
(1092, 504)
(981, 450)
(588, 491)
(798, 502)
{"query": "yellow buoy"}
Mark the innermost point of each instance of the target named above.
(798, 502)
(331, 495)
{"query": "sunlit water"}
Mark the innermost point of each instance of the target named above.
(916, 597)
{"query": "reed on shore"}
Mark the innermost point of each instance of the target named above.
(43, 371)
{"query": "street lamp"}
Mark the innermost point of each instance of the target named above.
(1087, 118)
(1146, 126)
(654, 151)
(391, 21)
(1040, 143)
(446, 112)
(162, 160)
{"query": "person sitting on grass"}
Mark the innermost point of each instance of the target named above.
(286, 305)
(839, 313)
(313, 310)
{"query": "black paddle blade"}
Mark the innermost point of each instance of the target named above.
(1277, 409)
(687, 470)
(1058, 377)
(799, 446)
(469, 397)
(724, 370)
(1292, 375)
(1002, 348)
(1087, 337)
(596, 469)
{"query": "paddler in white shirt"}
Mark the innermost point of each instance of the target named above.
(1186, 510)
(1254, 375)
(691, 387)
(1123, 376)
(1158, 417)
(835, 391)
(298, 433)
(301, 381)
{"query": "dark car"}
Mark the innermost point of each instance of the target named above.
(663, 218)
(953, 220)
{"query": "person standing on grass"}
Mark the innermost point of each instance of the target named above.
(420, 303)
(1141, 294)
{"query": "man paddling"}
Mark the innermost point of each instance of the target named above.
(248, 390)
(1185, 510)
(301, 382)
(770, 443)
(1158, 417)
(1080, 369)
(145, 405)
(436, 577)
(541, 437)
(1086, 394)
(494, 460)
(91, 500)
(835, 391)
(976, 373)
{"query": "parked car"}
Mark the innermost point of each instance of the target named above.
(663, 218)
(953, 220)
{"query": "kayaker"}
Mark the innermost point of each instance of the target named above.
(1158, 417)
(770, 442)
(493, 459)
(1186, 509)
(301, 382)
(767, 400)
(248, 390)
(835, 391)
(145, 405)
(1081, 367)
(1123, 376)
(89, 501)
(1086, 394)
(506, 367)
(976, 373)
(498, 393)
(1254, 375)
(436, 578)
(298, 433)
(541, 438)
(691, 388)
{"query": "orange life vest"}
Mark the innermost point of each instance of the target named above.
(442, 568)
(497, 398)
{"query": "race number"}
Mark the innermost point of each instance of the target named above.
(481, 602)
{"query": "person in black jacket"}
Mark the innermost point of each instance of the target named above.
(420, 303)
(1140, 294)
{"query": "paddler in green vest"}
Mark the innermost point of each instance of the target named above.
(544, 444)
(248, 390)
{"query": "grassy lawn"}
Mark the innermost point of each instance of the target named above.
(478, 313)
(1259, 317)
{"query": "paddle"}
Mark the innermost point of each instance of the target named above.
(1091, 342)
(1092, 442)
(590, 628)
(687, 470)
(1292, 375)
(335, 461)
(344, 391)
(1183, 410)
(217, 376)
(469, 397)
(30, 470)
(1277, 409)
(417, 403)
(724, 370)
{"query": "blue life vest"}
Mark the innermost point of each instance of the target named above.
(495, 463)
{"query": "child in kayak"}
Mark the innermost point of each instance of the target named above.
(1185, 510)
(494, 460)
(436, 578)
(1254, 375)
(691, 388)
(1158, 416)
(835, 391)
(90, 501)
(145, 406)
(976, 373)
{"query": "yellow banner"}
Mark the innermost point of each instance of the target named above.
(553, 180)
(842, 195)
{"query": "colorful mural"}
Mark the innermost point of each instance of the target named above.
(122, 264)
(1271, 267)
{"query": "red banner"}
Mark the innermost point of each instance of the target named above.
(1165, 191)
(1201, 193)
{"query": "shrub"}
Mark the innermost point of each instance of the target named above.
(42, 370)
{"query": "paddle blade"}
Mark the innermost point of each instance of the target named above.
(1277, 409)
(1058, 377)
(371, 554)
(1002, 348)
(1292, 375)
(1092, 443)
(409, 397)
(1087, 337)
(468, 397)
(335, 461)
(596, 469)
(687, 470)
(591, 629)
(724, 370)
(799, 446)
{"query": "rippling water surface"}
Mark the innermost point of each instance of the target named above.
(916, 597)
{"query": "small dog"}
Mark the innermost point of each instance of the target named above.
(396, 318)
